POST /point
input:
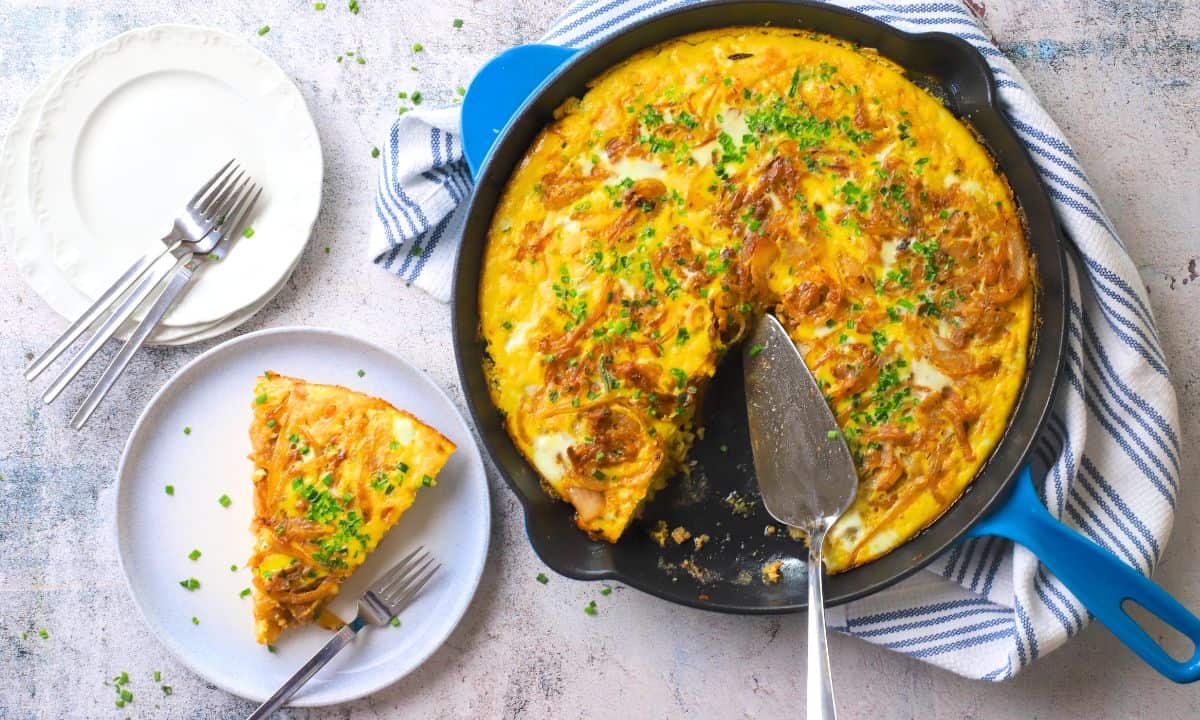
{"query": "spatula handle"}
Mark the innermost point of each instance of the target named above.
(820, 705)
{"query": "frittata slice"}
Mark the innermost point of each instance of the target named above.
(334, 470)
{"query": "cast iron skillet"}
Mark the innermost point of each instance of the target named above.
(729, 565)
(518, 92)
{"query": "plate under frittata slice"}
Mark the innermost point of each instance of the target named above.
(334, 469)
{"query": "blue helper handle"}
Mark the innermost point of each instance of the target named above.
(498, 92)
(1100, 580)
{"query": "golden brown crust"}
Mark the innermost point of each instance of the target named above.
(741, 171)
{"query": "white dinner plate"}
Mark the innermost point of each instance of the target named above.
(212, 395)
(136, 125)
(31, 256)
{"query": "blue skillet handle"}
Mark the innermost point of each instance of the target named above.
(499, 90)
(1098, 578)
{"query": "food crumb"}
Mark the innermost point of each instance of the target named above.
(771, 572)
(659, 533)
(769, 531)
(700, 541)
(796, 534)
(680, 535)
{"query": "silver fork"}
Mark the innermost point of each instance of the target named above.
(385, 600)
(198, 230)
(190, 226)
(210, 248)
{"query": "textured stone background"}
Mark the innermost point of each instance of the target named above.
(1120, 77)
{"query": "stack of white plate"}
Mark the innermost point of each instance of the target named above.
(104, 154)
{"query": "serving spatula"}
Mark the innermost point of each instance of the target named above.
(805, 472)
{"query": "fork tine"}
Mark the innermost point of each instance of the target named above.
(415, 567)
(220, 213)
(216, 203)
(398, 570)
(220, 191)
(216, 176)
(397, 603)
(397, 587)
(240, 212)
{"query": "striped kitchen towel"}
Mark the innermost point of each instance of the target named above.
(1109, 458)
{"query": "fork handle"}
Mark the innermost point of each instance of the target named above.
(340, 639)
(120, 313)
(135, 271)
(179, 280)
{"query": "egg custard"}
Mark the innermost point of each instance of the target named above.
(334, 470)
(734, 172)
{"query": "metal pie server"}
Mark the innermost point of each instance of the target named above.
(804, 469)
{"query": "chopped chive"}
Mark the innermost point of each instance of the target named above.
(248, 232)
(395, 622)
(126, 695)
(416, 97)
(831, 434)
(374, 152)
(157, 676)
(326, 249)
(457, 22)
(233, 568)
(261, 399)
(195, 620)
(271, 423)
(270, 648)
(414, 68)
(353, 9)
(339, 58)
(427, 481)
(754, 351)
(264, 30)
(244, 592)
(43, 633)
(191, 584)
(187, 430)
(418, 47)
(194, 555)
(402, 95)
(362, 372)
(224, 500)
(318, 6)
(542, 578)
(170, 489)
(361, 60)
(167, 689)
(590, 608)
(606, 590)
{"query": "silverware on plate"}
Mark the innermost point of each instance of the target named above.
(215, 213)
(804, 469)
(388, 596)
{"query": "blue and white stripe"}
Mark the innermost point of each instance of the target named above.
(1109, 458)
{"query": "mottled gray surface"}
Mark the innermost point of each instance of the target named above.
(1121, 79)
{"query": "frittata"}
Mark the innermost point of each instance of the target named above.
(735, 172)
(334, 470)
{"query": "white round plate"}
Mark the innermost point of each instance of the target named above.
(33, 261)
(135, 126)
(156, 531)
(30, 253)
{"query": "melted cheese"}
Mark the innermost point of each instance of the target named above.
(741, 171)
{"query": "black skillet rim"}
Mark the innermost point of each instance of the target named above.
(969, 87)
